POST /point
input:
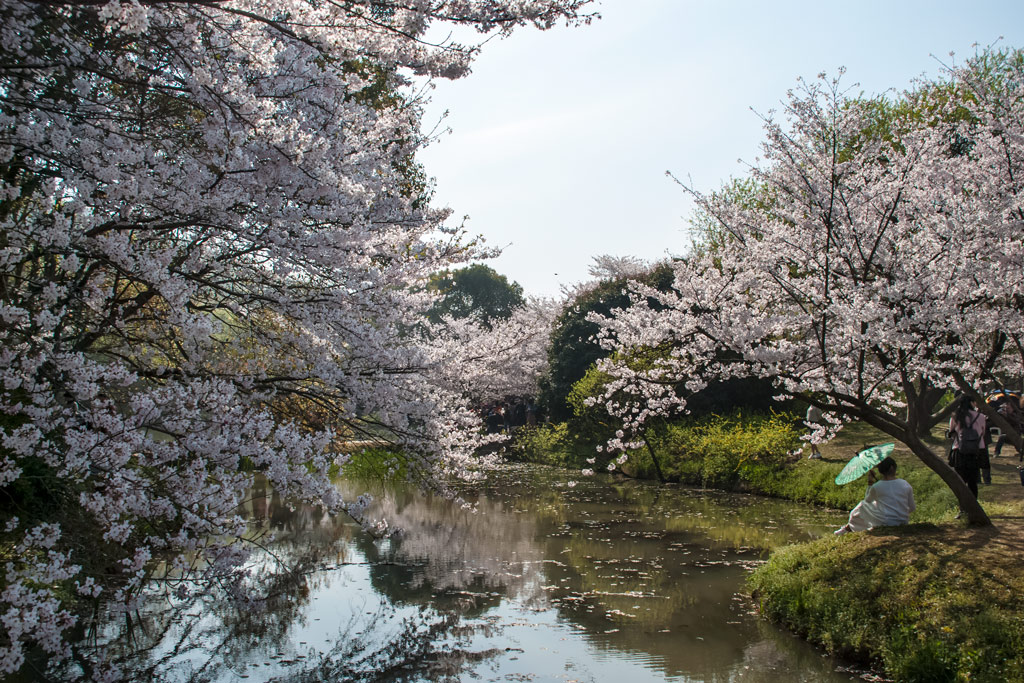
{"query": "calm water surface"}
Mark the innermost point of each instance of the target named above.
(607, 580)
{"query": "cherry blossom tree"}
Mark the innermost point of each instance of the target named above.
(214, 238)
(867, 274)
(506, 357)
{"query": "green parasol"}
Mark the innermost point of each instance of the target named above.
(861, 463)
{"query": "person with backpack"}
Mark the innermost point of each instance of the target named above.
(968, 428)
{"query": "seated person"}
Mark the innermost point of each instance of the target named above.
(888, 502)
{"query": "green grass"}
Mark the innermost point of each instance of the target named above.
(923, 602)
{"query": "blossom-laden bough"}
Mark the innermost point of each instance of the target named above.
(213, 243)
(871, 264)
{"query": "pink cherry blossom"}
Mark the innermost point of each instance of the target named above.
(215, 245)
(868, 266)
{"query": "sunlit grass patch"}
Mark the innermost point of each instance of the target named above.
(926, 602)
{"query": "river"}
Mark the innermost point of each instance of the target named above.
(544, 579)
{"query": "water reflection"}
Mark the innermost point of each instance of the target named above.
(650, 574)
(540, 581)
(445, 554)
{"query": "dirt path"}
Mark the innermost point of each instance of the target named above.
(1006, 486)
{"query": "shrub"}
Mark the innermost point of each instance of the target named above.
(379, 464)
(733, 451)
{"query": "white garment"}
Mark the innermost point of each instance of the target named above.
(888, 502)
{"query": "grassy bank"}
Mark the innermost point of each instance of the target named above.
(925, 603)
(759, 454)
(932, 601)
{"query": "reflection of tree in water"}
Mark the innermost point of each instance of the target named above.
(382, 646)
(423, 649)
(450, 557)
(228, 622)
(452, 563)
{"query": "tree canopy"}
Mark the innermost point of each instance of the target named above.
(872, 274)
(476, 291)
(213, 236)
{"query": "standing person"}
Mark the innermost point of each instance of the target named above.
(1020, 427)
(813, 419)
(506, 417)
(493, 420)
(984, 464)
(967, 428)
(1009, 408)
(888, 501)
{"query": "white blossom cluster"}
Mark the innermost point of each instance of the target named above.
(506, 360)
(213, 240)
(870, 263)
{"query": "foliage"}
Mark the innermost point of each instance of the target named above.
(866, 273)
(736, 451)
(548, 444)
(592, 424)
(573, 347)
(928, 604)
(213, 238)
(375, 464)
(476, 291)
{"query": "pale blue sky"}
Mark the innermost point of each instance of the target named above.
(560, 139)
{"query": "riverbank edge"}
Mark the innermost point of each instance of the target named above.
(925, 603)
(932, 601)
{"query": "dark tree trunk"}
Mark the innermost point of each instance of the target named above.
(924, 419)
(654, 458)
(976, 515)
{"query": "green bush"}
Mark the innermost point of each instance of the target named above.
(547, 444)
(377, 464)
(733, 451)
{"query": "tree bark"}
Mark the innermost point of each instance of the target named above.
(654, 457)
(976, 515)
(925, 418)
